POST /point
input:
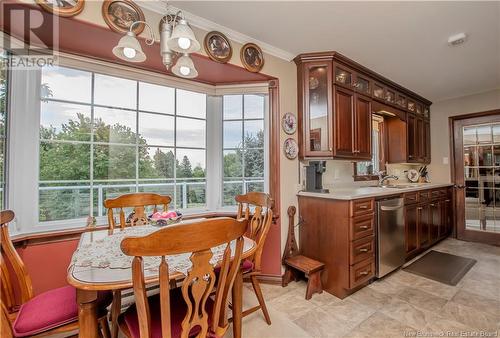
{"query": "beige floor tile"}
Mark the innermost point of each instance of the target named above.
(254, 326)
(370, 297)
(387, 286)
(473, 318)
(349, 311)
(319, 323)
(485, 304)
(484, 288)
(293, 304)
(378, 326)
(422, 299)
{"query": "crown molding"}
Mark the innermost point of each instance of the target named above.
(207, 25)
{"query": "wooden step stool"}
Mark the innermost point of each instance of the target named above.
(294, 261)
(310, 267)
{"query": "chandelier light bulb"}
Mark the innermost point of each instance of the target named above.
(185, 70)
(184, 43)
(129, 52)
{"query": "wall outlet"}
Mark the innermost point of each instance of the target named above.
(445, 160)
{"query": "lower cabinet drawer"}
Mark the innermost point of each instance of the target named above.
(361, 226)
(361, 272)
(361, 249)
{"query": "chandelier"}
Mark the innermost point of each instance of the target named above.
(176, 39)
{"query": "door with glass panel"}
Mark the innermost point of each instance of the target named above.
(477, 177)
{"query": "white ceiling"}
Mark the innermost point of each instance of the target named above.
(404, 41)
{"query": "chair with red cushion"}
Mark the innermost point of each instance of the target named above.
(138, 202)
(49, 313)
(189, 310)
(256, 207)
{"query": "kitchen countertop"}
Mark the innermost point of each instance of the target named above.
(352, 193)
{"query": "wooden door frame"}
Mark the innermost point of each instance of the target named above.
(476, 118)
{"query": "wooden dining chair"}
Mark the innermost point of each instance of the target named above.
(189, 310)
(138, 202)
(256, 207)
(49, 313)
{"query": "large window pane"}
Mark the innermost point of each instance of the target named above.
(233, 107)
(156, 98)
(157, 129)
(254, 162)
(64, 161)
(233, 134)
(114, 162)
(191, 104)
(66, 84)
(233, 164)
(156, 163)
(114, 125)
(65, 121)
(230, 190)
(191, 133)
(63, 201)
(190, 163)
(115, 92)
(254, 134)
(254, 106)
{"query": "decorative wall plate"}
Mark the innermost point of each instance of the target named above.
(289, 123)
(252, 58)
(290, 148)
(218, 47)
(64, 8)
(119, 15)
(413, 175)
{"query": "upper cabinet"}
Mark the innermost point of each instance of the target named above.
(315, 78)
(335, 96)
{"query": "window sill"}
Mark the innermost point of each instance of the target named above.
(25, 239)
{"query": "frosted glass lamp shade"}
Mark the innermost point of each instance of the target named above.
(183, 39)
(184, 67)
(129, 49)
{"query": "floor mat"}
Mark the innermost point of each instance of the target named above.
(441, 267)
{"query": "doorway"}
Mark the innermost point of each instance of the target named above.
(476, 174)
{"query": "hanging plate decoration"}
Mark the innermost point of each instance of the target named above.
(289, 123)
(290, 148)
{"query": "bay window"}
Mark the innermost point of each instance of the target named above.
(101, 134)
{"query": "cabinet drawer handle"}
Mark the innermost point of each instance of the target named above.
(363, 250)
(433, 205)
(447, 201)
(362, 207)
(419, 208)
(364, 227)
(364, 273)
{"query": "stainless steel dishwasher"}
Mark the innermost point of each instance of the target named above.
(391, 250)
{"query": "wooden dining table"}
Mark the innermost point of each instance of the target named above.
(89, 280)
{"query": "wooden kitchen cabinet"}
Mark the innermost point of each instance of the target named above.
(418, 139)
(411, 229)
(352, 126)
(335, 100)
(428, 219)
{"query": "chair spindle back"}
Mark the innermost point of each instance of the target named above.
(197, 238)
(14, 275)
(138, 201)
(259, 221)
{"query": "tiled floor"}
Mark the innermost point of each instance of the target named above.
(400, 305)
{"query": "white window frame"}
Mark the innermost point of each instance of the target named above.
(23, 143)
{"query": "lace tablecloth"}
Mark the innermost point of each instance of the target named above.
(106, 253)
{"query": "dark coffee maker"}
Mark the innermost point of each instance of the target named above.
(314, 176)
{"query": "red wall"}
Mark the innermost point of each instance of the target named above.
(47, 263)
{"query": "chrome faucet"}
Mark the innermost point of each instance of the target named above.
(382, 178)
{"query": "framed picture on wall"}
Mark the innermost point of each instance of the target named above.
(119, 15)
(252, 57)
(218, 47)
(64, 8)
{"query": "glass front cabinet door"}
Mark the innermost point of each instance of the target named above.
(317, 105)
